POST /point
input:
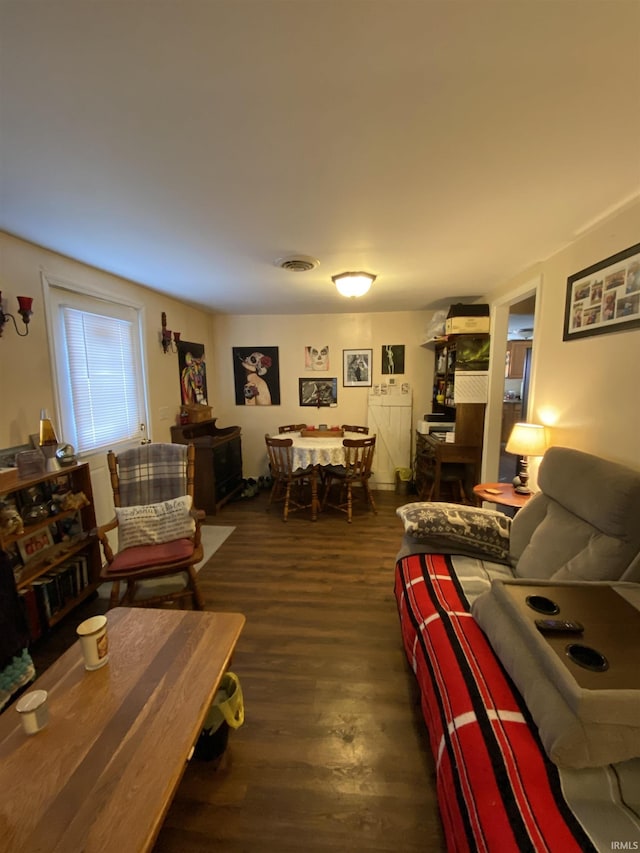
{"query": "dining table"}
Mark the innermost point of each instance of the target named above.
(316, 452)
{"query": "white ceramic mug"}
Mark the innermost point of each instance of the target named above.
(94, 642)
(33, 710)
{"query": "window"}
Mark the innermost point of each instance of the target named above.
(97, 357)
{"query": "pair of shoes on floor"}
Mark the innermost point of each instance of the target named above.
(250, 489)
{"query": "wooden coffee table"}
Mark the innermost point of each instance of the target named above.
(101, 776)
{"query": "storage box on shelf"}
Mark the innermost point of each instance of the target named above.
(55, 559)
(463, 319)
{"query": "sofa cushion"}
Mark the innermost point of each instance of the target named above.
(145, 556)
(456, 529)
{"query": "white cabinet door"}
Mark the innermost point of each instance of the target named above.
(390, 418)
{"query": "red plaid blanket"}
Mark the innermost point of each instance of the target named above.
(497, 789)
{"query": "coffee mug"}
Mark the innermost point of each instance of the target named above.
(33, 710)
(94, 642)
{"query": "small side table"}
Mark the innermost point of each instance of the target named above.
(504, 494)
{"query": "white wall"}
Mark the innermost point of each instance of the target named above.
(587, 390)
(291, 335)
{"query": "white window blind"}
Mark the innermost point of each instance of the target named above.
(100, 353)
(100, 380)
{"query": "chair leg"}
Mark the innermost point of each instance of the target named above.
(198, 600)
(349, 503)
(369, 496)
(274, 489)
(328, 480)
(114, 597)
(287, 495)
(130, 593)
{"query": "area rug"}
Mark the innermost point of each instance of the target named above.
(212, 538)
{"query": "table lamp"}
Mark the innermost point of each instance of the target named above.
(526, 440)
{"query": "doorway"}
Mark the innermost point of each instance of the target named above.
(517, 378)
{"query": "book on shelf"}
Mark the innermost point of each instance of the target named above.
(42, 599)
(31, 612)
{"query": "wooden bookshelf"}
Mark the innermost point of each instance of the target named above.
(65, 566)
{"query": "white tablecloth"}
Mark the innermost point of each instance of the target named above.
(317, 451)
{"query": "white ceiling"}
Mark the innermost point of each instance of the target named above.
(442, 145)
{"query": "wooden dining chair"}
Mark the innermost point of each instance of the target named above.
(288, 485)
(452, 479)
(158, 528)
(291, 428)
(355, 471)
(363, 430)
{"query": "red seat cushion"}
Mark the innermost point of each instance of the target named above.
(143, 556)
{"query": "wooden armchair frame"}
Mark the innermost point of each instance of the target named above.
(176, 558)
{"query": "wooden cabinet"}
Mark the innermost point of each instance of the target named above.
(515, 359)
(56, 559)
(218, 462)
(511, 414)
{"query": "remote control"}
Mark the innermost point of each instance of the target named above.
(559, 626)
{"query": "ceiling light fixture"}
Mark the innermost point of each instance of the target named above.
(353, 283)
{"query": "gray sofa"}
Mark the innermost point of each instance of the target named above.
(583, 525)
(526, 756)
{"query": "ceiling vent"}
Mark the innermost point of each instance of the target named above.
(297, 263)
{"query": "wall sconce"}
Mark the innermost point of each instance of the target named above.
(526, 440)
(24, 309)
(168, 345)
(353, 283)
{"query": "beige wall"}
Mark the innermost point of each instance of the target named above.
(26, 377)
(291, 334)
(26, 382)
(587, 390)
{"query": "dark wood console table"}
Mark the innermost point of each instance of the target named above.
(218, 462)
(431, 448)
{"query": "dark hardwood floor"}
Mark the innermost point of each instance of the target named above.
(333, 755)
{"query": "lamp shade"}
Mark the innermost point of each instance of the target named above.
(353, 283)
(527, 440)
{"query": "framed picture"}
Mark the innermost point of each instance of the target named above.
(193, 373)
(393, 358)
(256, 375)
(356, 367)
(318, 392)
(604, 297)
(316, 358)
(33, 544)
